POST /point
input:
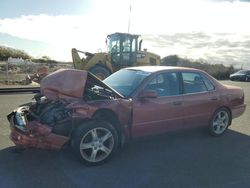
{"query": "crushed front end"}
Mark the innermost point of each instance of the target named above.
(43, 124)
(46, 123)
(66, 98)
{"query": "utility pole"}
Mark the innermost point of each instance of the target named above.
(130, 8)
(7, 72)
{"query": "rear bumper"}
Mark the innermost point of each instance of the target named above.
(238, 110)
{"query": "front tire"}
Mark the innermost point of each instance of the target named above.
(100, 72)
(219, 122)
(95, 142)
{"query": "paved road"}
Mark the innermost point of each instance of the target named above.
(184, 159)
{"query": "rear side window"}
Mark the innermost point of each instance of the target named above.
(208, 83)
(193, 83)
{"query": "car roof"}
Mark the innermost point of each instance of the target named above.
(152, 69)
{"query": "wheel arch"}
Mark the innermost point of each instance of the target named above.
(110, 117)
(76, 123)
(101, 114)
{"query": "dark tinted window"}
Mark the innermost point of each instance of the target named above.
(193, 83)
(165, 84)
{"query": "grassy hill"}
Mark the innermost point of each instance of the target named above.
(6, 52)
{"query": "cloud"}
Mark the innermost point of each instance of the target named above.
(195, 28)
(231, 1)
(61, 32)
(151, 17)
(168, 17)
(226, 48)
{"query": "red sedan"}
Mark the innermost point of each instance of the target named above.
(97, 117)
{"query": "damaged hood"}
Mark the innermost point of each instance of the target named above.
(69, 84)
(64, 84)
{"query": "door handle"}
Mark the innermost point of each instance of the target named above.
(177, 103)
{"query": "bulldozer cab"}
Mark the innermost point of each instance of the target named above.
(122, 48)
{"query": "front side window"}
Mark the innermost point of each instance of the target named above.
(165, 84)
(193, 83)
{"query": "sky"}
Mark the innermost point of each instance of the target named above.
(217, 31)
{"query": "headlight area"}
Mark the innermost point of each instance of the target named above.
(19, 118)
(28, 132)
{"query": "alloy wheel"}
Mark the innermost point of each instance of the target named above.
(220, 122)
(96, 144)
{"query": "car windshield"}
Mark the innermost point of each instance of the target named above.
(126, 81)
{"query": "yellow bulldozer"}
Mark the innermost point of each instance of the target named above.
(124, 50)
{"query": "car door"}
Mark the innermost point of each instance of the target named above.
(162, 113)
(200, 99)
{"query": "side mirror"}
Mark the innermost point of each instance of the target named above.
(148, 94)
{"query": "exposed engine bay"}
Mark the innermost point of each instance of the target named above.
(49, 112)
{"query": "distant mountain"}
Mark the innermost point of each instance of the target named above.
(6, 52)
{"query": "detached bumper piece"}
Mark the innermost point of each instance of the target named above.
(33, 134)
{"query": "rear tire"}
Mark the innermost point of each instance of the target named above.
(100, 72)
(95, 142)
(219, 122)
